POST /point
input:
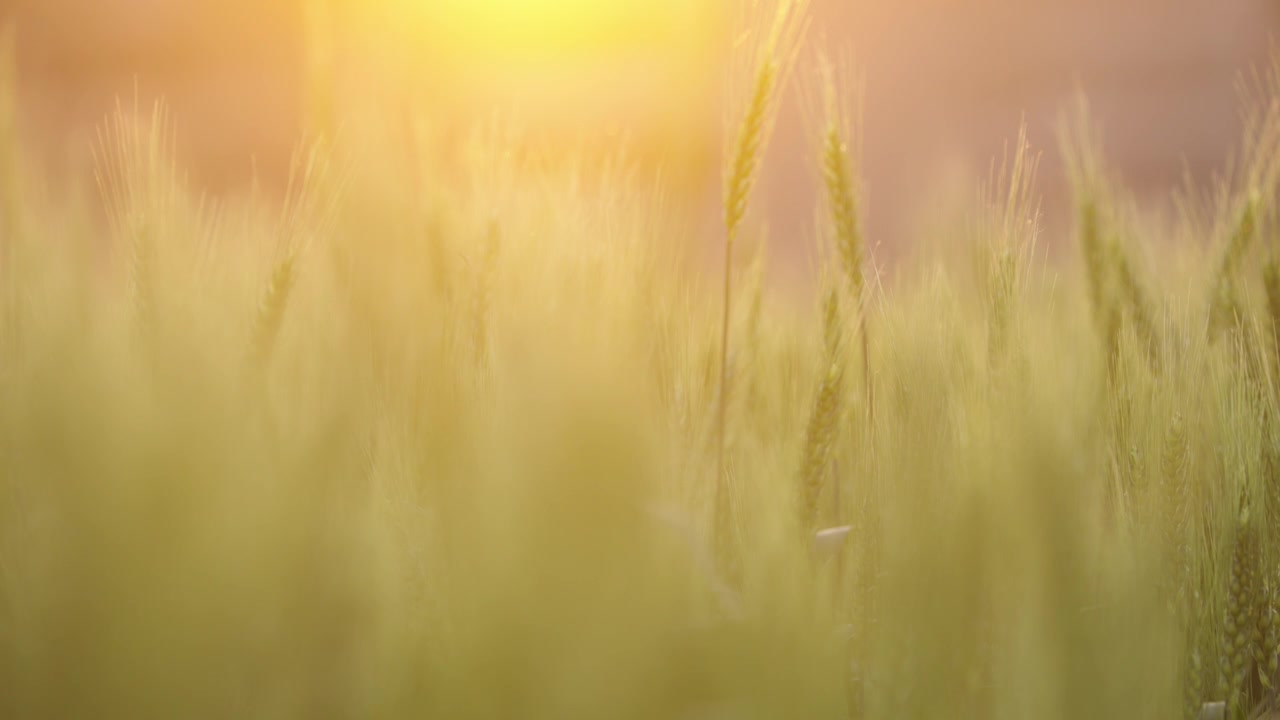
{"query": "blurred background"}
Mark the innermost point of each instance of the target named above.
(947, 84)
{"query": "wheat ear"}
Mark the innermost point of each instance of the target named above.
(825, 415)
(1100, 250)
(1241, 627)
(1141, 309)
(839, 143)
(271, 312)
(1225, 308)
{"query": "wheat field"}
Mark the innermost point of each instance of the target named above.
(491, 440)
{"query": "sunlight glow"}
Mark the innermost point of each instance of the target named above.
(555, 27)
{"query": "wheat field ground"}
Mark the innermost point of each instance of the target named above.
(491, 440)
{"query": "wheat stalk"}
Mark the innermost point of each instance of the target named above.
(744, 400)
(825, 415)
(773, 61)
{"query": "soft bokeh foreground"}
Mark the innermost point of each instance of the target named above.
(462, 442)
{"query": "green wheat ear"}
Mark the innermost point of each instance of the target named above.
(839, 153)
(1241, 639)
(271, 312)
(1114, 286)
(838, 181)
(1194, 687)
(1268, 649)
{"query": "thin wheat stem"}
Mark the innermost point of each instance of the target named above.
(752, 135)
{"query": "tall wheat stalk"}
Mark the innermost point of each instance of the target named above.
(841, 148)
(743, 402)
(771, 65)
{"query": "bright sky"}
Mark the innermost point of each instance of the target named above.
(571, 73)
(549, 28)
